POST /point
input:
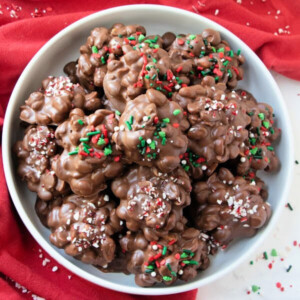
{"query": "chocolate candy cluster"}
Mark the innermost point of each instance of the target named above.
(144, 158)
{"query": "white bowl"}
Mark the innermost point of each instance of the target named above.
(63, 48)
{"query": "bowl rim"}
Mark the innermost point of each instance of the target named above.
(6, 152)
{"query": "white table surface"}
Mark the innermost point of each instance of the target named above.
(234, 285)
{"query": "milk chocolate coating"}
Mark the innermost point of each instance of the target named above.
(53, 103)
(135, 72)
(174, 256)
(259, 152)
(35, 153)
(155, 136)
(101, 46)
(229, 207)
(82, 226)
(95, 159)
(206, 54)
(218, 124)
(152, 201)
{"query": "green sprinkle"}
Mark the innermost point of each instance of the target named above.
(107, 151)
(186, 168)
(101, 141)
(86, 150)
(265, 255)
(153, 77)
(134, 47)
(253, 151)
(251, 113)
(272, 130)
(131, 120)
(173, 273)
(251, 262)
(290, 206)
(128, 125)
(221, 50)
(163, 142)
(190, 262)
(289, 268)
(147, 76)
(192, 36)
(120, 35)
(152, 145)
(86, 145)
(255, 288)
(148, 271)
(231, 53)
(184, 255)
(238, 52)
(258, 130)
(118, 113)
(261, 116)
(103, 60)
(296, 162)
(273, 252)
(162, 134)
(225, 63)
(176, 112)
(167, 278)
(187, 251)
(266, 124)
(150, 267)
(94, 49)
(166, 120)
(164, 252)
(229, 73)
(131, 38)
(252, 141)
(84, 139)
(93, 133)
(169, 267)
(73, 152)
(141, 37)
(214, 49)
(80, 122)
(270, 148)
(154, 60)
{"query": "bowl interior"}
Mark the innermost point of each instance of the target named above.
(156, 19)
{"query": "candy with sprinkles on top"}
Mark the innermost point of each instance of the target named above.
(82, 226)
(200, 55)
(151, 131)
(137, 71)
(174, 256)
(102, 46)
(218, 125)
(229, 207)
(152, 201)
(57, 97)
(35, 153)
(90, 157)
(259, 153)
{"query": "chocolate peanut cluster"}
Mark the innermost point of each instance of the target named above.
(145, 157)
(53, 103)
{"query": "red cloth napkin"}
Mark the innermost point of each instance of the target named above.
(269, 27)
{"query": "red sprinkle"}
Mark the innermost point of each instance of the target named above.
(172, 242)
(83, 153)
(180, 42)
(270, 266)
(295, 243)
(158, 255)
(179, 69)
(176, 125)
(278, 285)
(177, 256)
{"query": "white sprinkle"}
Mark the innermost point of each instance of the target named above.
(149, 141)
(54, 269)
(243, 159)
(106, 198)
(278, 12)
(216, 12)
(121, 223)
(219, 202)
(122, 127)
(154, 247)
(183, 162)
(45, 262)
(145, 118)
(180, 272)
(41, 255)
(117, 128)
(204, 168)
(69, 277)
(104, 267)
(248, 24)
(253, 183)
(153, 274)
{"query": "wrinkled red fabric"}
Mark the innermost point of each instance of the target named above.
(21, 36)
